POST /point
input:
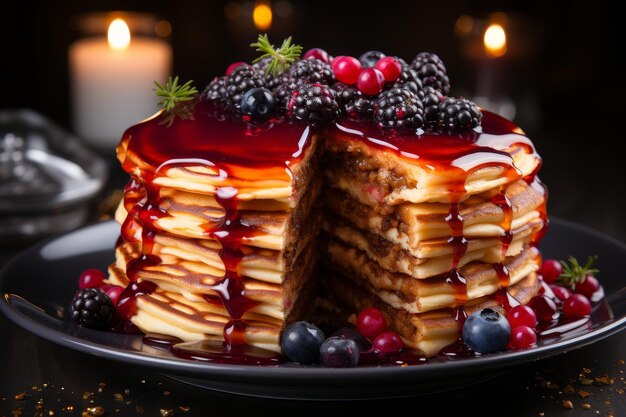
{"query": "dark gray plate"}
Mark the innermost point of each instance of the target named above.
(37, 285)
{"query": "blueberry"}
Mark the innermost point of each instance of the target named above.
(486, 331)
(258, 102)
(339, 352)
(353, 334)
(301, 341)
(370, 58)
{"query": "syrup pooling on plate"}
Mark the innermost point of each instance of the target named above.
(232, 152)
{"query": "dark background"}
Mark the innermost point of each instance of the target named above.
(561, 69)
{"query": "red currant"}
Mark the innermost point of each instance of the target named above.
(234, 66)
(588, 286)
(346, 69)
(114, 292)
(91, 278)
(544, 307)
(371, 322)
(387, 343)
(550, 270)
(522, 316)
(371, 81)
(561, 293)
(577, 305)
(522, 337)
(317, 53)
(390, 67)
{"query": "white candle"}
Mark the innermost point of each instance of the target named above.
(112, 83)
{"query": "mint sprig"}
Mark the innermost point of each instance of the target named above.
(282, 57)
(173, 93)
(574, 273)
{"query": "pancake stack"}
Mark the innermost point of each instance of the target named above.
(218, 227)
(430, 229)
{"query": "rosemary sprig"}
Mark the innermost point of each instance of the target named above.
(282, 57)
(173, 93)
(574, 273)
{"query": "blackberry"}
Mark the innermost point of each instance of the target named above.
(432, 72)
(370, 58)
(399, 108)
(430, 99)
(352, 102)
(271, 81)
(261, 65)
(458, 114)
(408, 79)
(216, 90)
(92, 308)
(242, 79)
(313, 103)
(305, 71)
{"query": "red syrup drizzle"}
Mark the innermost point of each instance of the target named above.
(504, 203)
(229, 149)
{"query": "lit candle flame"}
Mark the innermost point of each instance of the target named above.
(119, 35)
(262, 16)
(495, 40)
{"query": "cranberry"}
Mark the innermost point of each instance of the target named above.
(550, 270)
(561, 293)
(371, 81)
(371, 322)
(522, 316)
(544, 307)
(588, 286)
(387, 343)
(577, 305)
(234, 66)
(346, 69)
(390, 67)
(114, 292)
(317, 53)
(522, 337)
(91, 278)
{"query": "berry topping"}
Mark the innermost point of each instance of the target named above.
(309, 71)
(408, 80)
(431, 99)
(114, 292)
(561, 293)
(522, 337)
(216, 90)
(387, 343)
(522, 316)
(458, 114)
(371, 322)
(486, 331)
(580, 278)
(432, 72)
(317, 53)
(242, 79)
(91, 278)
(353, 334)
(314, 104)
(346, 69)
(399, 108)
(301, 341)
(352, 102)
(550, 270)
(544, 307)
(390, 67)
(371, 81)
(92, 308)
(339, 352)
(370, 58)
(577, 305)
(232, 67)
(258, 103)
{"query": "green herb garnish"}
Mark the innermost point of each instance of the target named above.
(574, 273)
(282, 57)
(173, 93)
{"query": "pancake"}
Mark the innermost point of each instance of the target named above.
(426, 332)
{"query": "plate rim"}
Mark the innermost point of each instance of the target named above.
(303, 375)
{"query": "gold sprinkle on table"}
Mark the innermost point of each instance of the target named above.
(569, 389)
(586, 406)
(93, 412)
(586, 381)
(568, 404)
(166, 412)
(583, 393)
